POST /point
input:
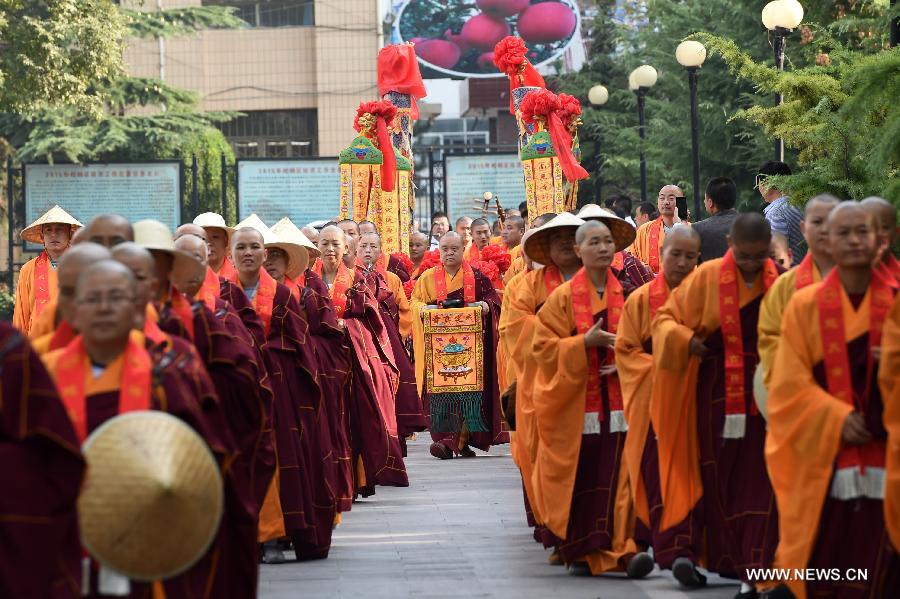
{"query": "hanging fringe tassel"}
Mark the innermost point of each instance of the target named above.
(617, 423)
(448, 411)
(851, 483)
(735, 426)
(591, 423)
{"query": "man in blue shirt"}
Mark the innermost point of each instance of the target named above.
(782, 216)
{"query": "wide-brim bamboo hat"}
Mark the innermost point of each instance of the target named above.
(299, 249)
(211, 220)
(56, 215)
(156, 236)
(622, 231)
(537, 246)
(153, 498)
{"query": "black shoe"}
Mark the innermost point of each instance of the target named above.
(467, 452)
(686, 573)
(779, 592)
(579, 569)
(271, 554)
(639, 565)
(441, 451)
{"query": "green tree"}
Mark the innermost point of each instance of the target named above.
(728, 147)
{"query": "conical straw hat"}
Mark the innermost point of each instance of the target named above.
(299, 249)
(623, 232)
(153, 498)
(156, 236)
(32, 232)
(254, 222)
(537, 246)
(211, 220)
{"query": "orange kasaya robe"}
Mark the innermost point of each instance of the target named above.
(63, 333)
(517, 266)
(559, 399)
(772, 309)
(804, 451)
(36, 287)
(644, 247)
(889, 381)
(524, 295)
(396, 287)
(635, 366)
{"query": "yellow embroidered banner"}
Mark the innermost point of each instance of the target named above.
(454, 368)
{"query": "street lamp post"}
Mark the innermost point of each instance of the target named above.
(598, 96)
(640, 81)
(781, 17)
(691, 55)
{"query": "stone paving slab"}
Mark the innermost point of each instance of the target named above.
(457, 531)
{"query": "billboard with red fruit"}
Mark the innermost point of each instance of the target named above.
(457, 37)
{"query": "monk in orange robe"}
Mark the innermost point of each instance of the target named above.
(634, 363)
(418, 245)
(111, 369)
(581, 484)
(36, 286)
(886, 219)
(218, 235)
(41, 468)
(453, 280)
(889, 381)
(377, 453)
(481, 238)
(651, 235)
(552, 246)
(826, 449)
(813, 268)
(710, 434)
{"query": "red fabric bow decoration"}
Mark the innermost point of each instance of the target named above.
(408, 288)
(488, 269)
(558, 112)
(498, 256)
(398, 71)
(509, 58)
(383, 113)
(430, 260)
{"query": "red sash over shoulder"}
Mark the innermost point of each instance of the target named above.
(440, 282)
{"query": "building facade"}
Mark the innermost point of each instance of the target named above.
(297, 72)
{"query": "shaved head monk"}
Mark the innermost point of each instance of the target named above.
(513, 229)
(110, 230)
(554, 246)
(827, 444)
(57, 331)
(580, 484)
(196, 246)
(418, 245)
(42, 472)
(481, 238)
(634, 363)
(371, 402)
(712, 472)
(650, 236)
(143, 267)
(367, 226)
(311, 233)
(815, 265)
(458, 420)
(110, 359)
(885, 215)
(190, 229)
(351, 230)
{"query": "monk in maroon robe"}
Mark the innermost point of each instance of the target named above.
(377, 455)
(305, 503)
(41, 469)
(103, 355)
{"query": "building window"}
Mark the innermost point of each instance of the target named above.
(273, 134)
(271, 13)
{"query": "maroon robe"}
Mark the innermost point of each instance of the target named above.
(182, 388)
(374, 378)
(334, 378)
(490, 407)
(852, 532)
(736, 520)
(396, 266)
(239, 376)
(408, 405)
(41, 468)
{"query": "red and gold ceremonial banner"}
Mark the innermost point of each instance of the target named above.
(582, 291)
(454, 368)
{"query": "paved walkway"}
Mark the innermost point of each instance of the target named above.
(457, 531)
